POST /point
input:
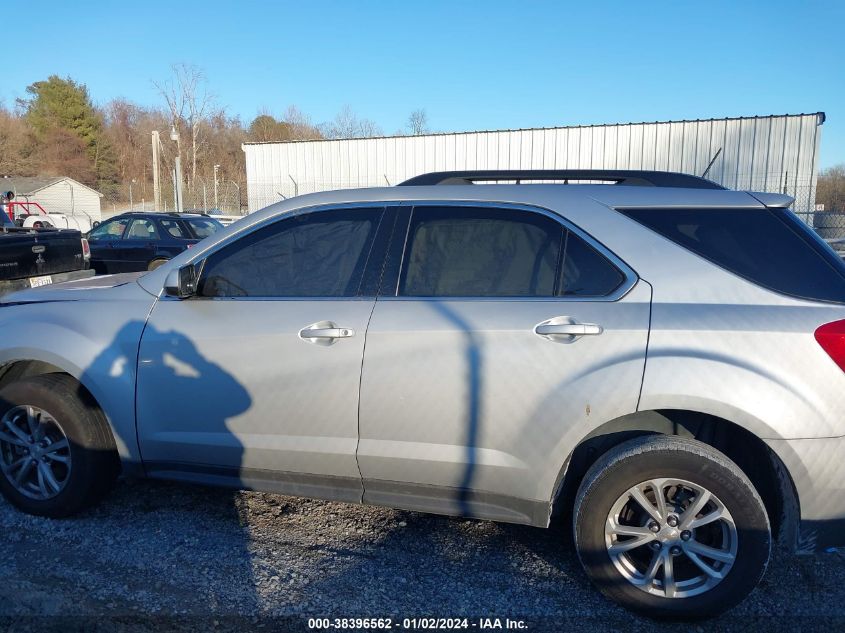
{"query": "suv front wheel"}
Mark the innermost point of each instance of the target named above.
(671, 528)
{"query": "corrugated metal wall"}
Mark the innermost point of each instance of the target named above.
(770, 153)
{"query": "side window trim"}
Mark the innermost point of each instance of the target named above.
(631, 277)
(385, 208)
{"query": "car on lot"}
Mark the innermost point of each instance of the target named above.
(657, 359)
(136, 241)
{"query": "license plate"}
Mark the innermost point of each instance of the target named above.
(34, 282)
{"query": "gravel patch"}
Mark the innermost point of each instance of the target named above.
(159, 556)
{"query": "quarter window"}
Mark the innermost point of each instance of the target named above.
(586, 272)
(319, 254)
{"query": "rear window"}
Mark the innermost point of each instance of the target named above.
(769, 247)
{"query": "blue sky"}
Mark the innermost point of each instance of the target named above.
(471, 65)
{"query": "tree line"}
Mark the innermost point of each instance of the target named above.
(830, 189)
(57, 130)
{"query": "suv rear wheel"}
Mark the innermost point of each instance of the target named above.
(57, 454)
(671, 528)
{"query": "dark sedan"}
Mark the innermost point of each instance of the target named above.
(144, 241)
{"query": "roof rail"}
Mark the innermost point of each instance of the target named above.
(617, 176)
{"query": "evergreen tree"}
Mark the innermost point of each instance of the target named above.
(57, 105)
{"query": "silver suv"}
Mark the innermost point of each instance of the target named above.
(653, 356)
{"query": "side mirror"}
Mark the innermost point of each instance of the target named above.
(181, 282)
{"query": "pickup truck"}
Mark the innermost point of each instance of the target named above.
(37, 257)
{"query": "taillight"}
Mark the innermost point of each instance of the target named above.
(831, 337)
(86, 249)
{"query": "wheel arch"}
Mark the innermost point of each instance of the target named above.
(18, 369)
(761, 465)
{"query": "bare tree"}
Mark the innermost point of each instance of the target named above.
(418, 122)
(346, 124)
(16, 145)
(189, 102)
(300, 124)
(830, 190)
(368, 129)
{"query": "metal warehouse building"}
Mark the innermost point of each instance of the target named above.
(763, 153)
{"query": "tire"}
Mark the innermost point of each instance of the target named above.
(156, 263)
(92, 461)
(696, 467)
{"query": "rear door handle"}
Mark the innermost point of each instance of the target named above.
(571, 329)
(566, 329)
(324, 333)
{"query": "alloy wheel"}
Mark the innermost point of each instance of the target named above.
(671, 538)
(34, 452)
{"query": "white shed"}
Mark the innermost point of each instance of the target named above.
(56, 195)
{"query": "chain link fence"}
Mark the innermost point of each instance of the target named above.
(229, 197)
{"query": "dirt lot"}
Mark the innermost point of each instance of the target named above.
(157, 556)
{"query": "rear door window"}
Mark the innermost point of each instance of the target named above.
(494, 252)
(480, 252)
(769, 247)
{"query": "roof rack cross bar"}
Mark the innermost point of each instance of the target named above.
(616, 176)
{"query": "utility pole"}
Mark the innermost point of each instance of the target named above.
(156, 186)
(174, 136)
(216, 167)
(175, 190)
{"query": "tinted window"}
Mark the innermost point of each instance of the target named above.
(203, 228)
(109, 231)
(770, 247)
(586, 272)
(321, 254)
(142, 229)
(175, 229)
(480, 252)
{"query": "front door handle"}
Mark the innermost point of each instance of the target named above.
(324, 333)
(566, 329)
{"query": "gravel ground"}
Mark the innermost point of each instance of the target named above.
(157, 556)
